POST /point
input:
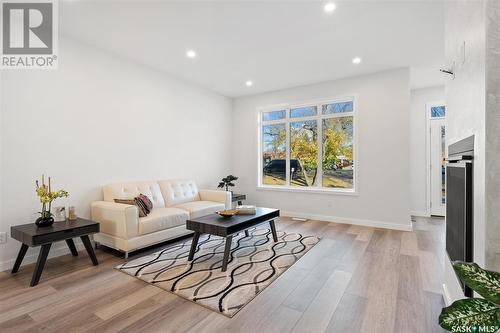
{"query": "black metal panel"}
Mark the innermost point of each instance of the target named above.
(459, 203)
(462, 147)
(459, 213)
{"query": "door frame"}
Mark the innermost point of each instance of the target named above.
(428, 118)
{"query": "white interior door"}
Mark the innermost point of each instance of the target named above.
(437, 166)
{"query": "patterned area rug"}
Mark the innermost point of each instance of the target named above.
(255, 262)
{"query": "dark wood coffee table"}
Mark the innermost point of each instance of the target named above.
(31, 235)
(214, 224)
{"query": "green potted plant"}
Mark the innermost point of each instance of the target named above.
(46, 196)
(227, 182)
(474, 314)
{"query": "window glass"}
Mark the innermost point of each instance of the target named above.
(274, 154)
(303, 153)
(273, 115)
(438, 111)
(303, 112)
(338, 153)
(337, 108)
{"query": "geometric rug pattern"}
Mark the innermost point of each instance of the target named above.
(255, 262)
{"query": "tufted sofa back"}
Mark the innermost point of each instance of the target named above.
(177, 191)
(130, 190)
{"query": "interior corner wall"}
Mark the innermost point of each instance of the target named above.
(383, 108)
(2, 222)
(419, 137)
(465, 109)
(492, 163)
(99, 119)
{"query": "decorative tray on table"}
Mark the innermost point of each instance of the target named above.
(227, 212)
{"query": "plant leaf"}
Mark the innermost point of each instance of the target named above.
(470, 312)
(485, 283)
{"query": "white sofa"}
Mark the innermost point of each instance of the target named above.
(174, 201)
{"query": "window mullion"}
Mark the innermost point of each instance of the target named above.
(273, 122)
(338, 115)
(288, 145)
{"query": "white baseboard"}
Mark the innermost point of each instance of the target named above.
(59, 249)
(344, 220)
(420, 213)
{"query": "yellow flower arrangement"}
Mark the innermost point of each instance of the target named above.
(46, 196)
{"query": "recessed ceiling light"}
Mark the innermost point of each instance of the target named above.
(249, 83)
(191, 54)
(356, 60)
(330, 7)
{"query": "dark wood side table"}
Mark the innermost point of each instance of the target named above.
(238, 198)
(30, 236)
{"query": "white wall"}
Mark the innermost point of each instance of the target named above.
(419, 169)
(2, 228)
(465, 107)
(383, 152)
(99, 119)
(492, 163)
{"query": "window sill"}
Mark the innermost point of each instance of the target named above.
(307, 190)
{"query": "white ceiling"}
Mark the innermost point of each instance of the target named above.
(276, 44)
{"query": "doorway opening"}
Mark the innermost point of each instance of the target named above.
(436, 123)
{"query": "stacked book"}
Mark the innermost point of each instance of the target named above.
(246, 210)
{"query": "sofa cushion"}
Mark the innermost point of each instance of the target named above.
(162, 218)
(132, 190)
(177, 191)
(201, 208)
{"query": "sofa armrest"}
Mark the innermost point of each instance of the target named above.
(116, 219)
(217, 196)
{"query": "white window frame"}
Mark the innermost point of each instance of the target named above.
(319, 117)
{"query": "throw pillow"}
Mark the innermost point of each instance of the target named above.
(131, 202)
(146, 201)
(142, 207)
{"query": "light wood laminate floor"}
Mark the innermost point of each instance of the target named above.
(357, 279)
